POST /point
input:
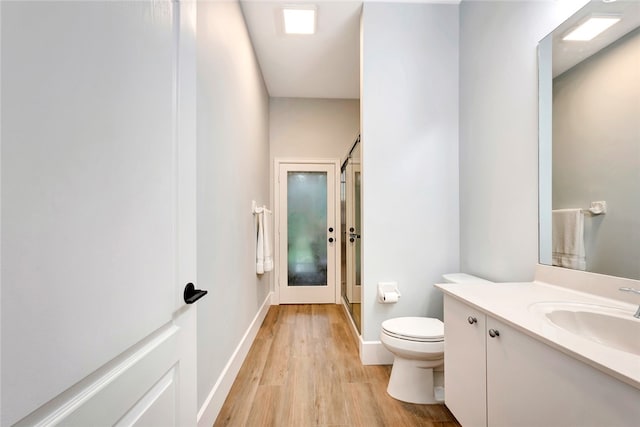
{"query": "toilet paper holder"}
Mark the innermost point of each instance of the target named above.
(388, 292)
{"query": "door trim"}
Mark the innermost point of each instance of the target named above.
(276, 217)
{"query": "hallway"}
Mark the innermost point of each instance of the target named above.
(303, 369)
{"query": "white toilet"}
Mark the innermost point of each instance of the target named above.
(417, 344)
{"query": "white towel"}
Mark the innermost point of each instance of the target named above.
(264, 259)
(568, 238)
(266, 239)
(260, 243)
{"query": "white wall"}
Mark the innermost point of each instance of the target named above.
(233, 169)
(409, 104)
(499, 134)
(310, 127)
(596, 108)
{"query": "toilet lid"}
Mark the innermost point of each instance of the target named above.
(423, 329)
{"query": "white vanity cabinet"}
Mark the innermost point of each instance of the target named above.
(465, 378)
(512, 379)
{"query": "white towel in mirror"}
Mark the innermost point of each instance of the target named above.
(568, 239)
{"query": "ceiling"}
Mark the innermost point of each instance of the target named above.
(322, 65)
(326, 64)
(566, 54)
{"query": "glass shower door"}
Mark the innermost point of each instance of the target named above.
(354, 288)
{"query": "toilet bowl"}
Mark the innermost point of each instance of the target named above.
(417, 344)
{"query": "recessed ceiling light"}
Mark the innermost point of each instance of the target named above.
(591, 28)
(299, 20)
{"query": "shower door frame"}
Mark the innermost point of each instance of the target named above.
(354, 290)
(280, 263)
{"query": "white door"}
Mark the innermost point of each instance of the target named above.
(354, 276)
(308, 238)
(98, 213)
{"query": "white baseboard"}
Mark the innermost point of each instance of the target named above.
(371, 352)
(374, 353)
(211, 408)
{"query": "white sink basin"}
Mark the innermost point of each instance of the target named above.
(609, 326)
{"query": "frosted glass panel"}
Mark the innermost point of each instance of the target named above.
(307, 228)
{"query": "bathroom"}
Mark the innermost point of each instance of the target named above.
(449, 170)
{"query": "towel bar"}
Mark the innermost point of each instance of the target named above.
(255, 209)
(597, 208)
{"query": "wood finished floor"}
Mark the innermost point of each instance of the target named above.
(303, 369)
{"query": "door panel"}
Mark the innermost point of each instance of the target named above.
(151, 410)
(308, 233)
(121, 388)
(90, 221)
(354, 275)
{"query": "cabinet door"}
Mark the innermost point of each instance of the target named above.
(531, 384)
(465, 363)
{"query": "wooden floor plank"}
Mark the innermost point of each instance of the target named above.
(262, 413)
(330, 404)
(363, 410)
(277, 364)
(235, 411)
(304, 370)
(299, 397)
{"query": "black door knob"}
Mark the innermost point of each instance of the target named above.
(191, 294)
(330, 239)
(351, 239)
(330, 229)
(351, 229)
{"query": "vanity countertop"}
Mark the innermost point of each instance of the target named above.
(510, 302)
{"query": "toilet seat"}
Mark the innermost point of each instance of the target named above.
(417, 329)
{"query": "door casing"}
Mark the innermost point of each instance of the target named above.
(331, 180)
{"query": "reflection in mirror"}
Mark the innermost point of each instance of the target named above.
(350, 213)
(590, 143)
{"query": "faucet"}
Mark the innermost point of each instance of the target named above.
(635, 291)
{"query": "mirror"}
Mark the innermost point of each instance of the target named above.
(351, 214)
(589, 112)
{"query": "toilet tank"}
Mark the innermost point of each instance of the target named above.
(463, 278)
